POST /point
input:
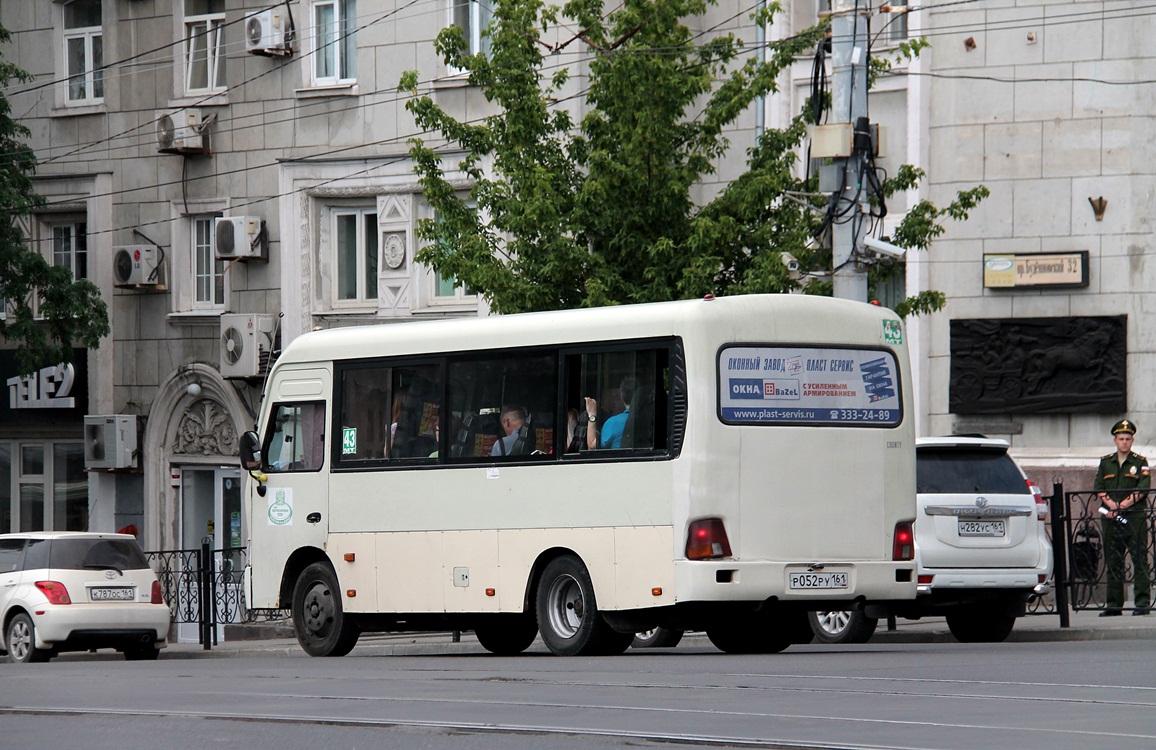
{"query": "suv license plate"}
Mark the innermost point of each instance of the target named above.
(118, 594)
(981, 528)
(818, 580)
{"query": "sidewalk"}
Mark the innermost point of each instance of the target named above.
(250, 640)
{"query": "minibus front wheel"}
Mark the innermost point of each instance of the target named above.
(323, 628)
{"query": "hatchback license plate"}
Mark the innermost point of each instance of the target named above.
(117, 594)
(818, 580)
(981, 528)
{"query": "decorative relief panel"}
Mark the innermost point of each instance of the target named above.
(1039, 365)
(205, 429)
(393, 251)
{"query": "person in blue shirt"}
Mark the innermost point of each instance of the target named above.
(612, 427)
(512, 418)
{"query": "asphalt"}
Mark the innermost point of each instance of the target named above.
(266, 639)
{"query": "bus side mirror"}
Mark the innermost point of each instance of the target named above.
(250, 451)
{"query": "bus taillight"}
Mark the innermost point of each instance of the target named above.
(904, 546)
(707, 538)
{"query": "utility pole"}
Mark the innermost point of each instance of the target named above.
(849, 53)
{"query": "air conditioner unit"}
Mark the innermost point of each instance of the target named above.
(181, 131)
(246, 344)
(110, 441)
(240, 237)
(267, 33)
(135, 265)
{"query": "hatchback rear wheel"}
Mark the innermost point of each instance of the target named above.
(20, 640)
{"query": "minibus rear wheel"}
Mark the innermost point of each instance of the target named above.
(323, 629)
(568, 616)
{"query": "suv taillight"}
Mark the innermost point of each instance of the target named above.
(55, 591)
(707, 538)
(1041, 501)
(157, 594)
(903, 548)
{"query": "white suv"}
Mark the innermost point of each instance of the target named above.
(74, 591)
(981, 546)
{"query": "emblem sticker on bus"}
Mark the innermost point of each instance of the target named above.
(281, 507)
(809, 386)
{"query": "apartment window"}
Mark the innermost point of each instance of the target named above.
(473, 17)
(70, 247)
(355, 252)
(446, 288)
(84, 51)
(334, 41)
(895, 28)
(204, 45)
(208, 271)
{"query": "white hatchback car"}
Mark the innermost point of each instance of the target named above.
(981, 544)
(74, 591)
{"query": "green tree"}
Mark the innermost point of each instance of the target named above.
(562, 214)
(48, 310)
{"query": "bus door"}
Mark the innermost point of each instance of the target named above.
(291, 505)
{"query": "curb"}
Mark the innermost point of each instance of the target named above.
(278, 639)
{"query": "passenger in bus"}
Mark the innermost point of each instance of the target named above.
(638, 432)
(395, 412)
(512, 419)
(612, 428)
(582, 427)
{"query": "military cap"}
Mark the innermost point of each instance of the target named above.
(1124, 426)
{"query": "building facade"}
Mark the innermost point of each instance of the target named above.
(230, 174)
(233, 173)
(1046, 339)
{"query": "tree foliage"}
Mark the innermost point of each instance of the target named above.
(47, 310)
(556, 213)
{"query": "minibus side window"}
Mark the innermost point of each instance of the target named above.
(389, 413)
(632, 391)
(504, 407)
(296, 439)
(415, 403)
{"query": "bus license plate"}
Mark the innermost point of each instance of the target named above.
(818, 581)
(981, 528)
(118, 594)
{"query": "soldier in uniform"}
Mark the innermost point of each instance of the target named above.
(1120, 476)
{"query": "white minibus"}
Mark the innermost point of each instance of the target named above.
(724, 465)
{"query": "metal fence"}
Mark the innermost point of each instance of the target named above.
(204, 586)
(1086, 549)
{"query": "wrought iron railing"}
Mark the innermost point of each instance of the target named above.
(204, 586)
(1077, 531)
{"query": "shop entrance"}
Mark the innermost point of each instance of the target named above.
(210, 508)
